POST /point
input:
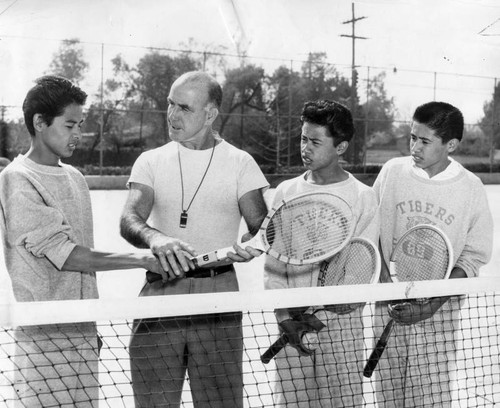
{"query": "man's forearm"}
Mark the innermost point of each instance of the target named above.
(136, 231)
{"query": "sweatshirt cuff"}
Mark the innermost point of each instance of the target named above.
(60, 253)
(469, 269)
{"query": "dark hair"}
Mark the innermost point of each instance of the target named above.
(332, 115)
(214, 89)
(446, 120)
(49, 97)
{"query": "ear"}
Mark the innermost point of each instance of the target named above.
(212, 114)
(38, 122)
(452, 145)
(342, 147)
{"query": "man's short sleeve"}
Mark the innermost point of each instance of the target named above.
(142, 170)
(250, 177)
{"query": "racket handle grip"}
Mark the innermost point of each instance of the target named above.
(377, 352)
(211, 257)
(275, 348)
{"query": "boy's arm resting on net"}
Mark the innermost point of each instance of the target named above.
(414, 312)
(83, 259)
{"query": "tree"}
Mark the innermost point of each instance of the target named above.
(243, 97)
(150, 81)
(69, 61)
(322, 81)
(490, 123)
(4, 134)
(379, 109)
(288, 90)
(377, 114)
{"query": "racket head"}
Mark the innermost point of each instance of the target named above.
(307, 228)
(424, 252)
(357, 264)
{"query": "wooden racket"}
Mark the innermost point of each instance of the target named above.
(358, 263)
(302, 229)
(424, 252)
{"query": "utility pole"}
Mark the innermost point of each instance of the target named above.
(353, 64)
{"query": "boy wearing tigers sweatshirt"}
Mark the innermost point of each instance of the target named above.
(428, 187)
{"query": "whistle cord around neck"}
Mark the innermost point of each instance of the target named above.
(184, 213)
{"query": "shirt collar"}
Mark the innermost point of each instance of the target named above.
(451, 171)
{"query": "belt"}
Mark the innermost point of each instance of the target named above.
(209, 272)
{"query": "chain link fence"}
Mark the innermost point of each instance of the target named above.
(126, 112)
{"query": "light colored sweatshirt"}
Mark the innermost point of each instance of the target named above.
(45, 212)
(457, 205)
(362, 199)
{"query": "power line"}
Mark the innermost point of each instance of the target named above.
(484, 29)
(255, 57)
(8, 7)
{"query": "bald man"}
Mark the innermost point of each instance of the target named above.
(186, 198)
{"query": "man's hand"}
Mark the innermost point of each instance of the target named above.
(412, 312)
(296, 328)
(173, 254)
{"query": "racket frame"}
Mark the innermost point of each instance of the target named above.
(282, 341)
(393, 260)
(260, 242)
(373, 249)
(381, 344)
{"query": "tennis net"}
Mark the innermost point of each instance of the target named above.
(456, 360)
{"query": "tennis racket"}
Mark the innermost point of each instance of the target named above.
(358, 263)
(302, 229)
(424, 252)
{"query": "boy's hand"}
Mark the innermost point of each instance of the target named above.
(415, 311)
(296, 328)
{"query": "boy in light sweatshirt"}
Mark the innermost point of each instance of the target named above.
(329, 376)
(429, 187)
(47, 236)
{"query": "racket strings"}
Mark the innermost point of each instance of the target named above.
(422, 255)
(306, 229)
(354, 265)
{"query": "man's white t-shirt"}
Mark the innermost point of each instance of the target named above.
(214, 216)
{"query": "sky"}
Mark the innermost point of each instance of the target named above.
(447, 49)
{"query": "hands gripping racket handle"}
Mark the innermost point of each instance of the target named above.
(377, 352)
(210, 258)
(198, 261)
(300, 326)
(294, 231)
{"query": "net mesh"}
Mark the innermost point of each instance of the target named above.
(453, 357)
